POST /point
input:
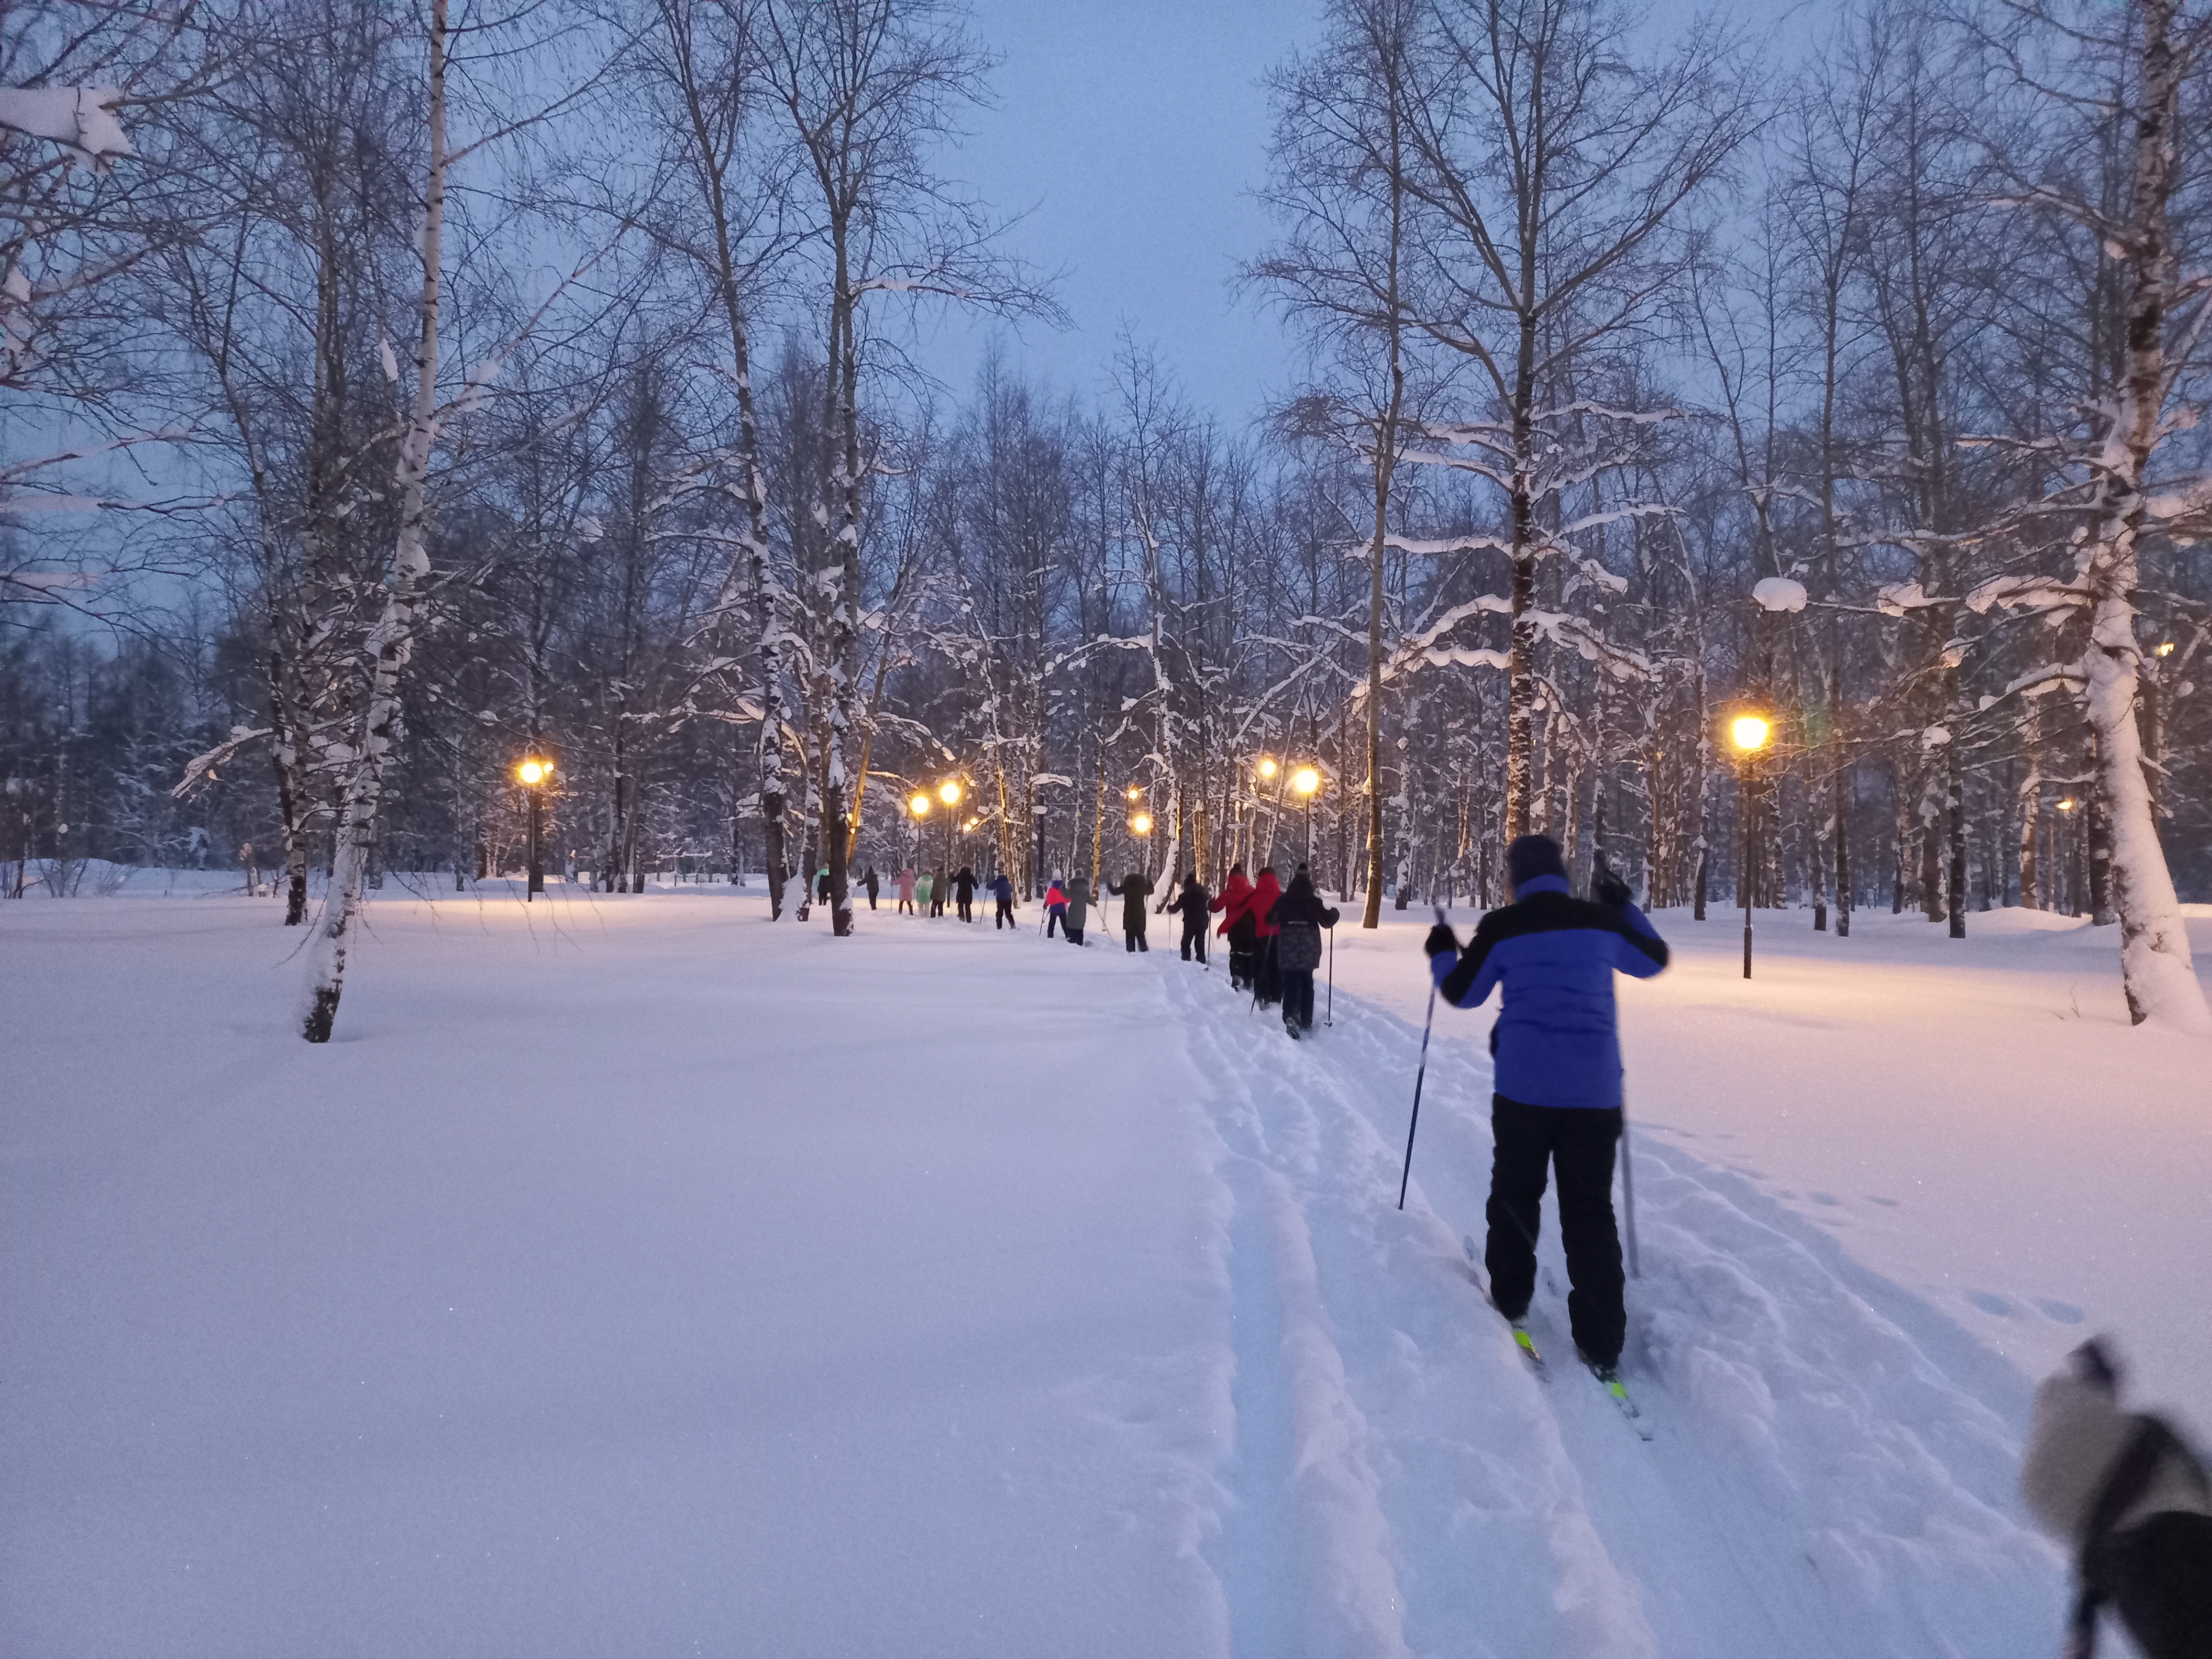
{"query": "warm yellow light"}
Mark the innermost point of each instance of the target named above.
(1749, 733)
(1141, 824)
(534, 771)
(1268, 766)
(2166, 647)
(950, 793)
(1305, 779)
(970, 824)
(1135, 793)
(2066, 806)
(919, 804)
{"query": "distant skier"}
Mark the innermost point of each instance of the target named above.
(1196, 905)
(963, 888)
(1055, 906)
(1079, 909)
(1133, 889)
(1267, 982)
(821, 885)
(1003, 891)
(2133, 1501)
(1299, 915)
(1558, 1072)
(874, 883)
(906, 890)
(1240, 928)
(930, 890)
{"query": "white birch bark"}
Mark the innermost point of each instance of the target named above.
(390, 643)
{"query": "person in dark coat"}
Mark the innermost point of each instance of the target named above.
(1558, 1072)
(874, 883)
(1196, 905)
(1133, 889)
(1267, 983)
(1299, 915)
(1003, 891)
(2130, 1497)
(1079, 909)
(1240, 928)
(963, 888)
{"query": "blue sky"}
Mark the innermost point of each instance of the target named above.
(1131, 132)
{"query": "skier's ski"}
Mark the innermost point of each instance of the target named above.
(1523, 1340)
(1608, 1377)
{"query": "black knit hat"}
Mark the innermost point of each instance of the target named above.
(1532, 856)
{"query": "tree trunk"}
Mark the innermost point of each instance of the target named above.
(393, 640)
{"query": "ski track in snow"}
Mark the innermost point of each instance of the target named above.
(1832, 1470)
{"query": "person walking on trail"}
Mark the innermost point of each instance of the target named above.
(1558, 1072)
(930, 890)
(1196, 906)
(1133, 889)
(1055, 906)
(1238, 927)
(874, 883)
(1079, 909)
(905, 891)
(1299, 915)
(1003, 890)
(963, 888)
(1267, 979)
(2132, 1500)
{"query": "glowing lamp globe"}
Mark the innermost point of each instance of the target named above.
(1749, 733)
(950, 793)
(1305, 779)
(534, 771)
(919, 804)
(1268, 766)
(1141, 824)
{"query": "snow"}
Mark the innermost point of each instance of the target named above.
(634, 1273)
(1778, 593)
(82, 117)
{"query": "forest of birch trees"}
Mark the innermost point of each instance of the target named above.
(398, 388)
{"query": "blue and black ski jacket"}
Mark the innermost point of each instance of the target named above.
(1556, 1041)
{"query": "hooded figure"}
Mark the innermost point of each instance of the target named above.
(963, 889)
(2131, 1500)
(1299, 915)
(1237, 926)
(1133, 889)
(905, 891)
(1079, 909)
(1003, 891)
(874, 883)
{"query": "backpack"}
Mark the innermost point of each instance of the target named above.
(1297, 947)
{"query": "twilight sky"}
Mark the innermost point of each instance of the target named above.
(1132, 131)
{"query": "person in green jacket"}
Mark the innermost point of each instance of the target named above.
(1078, 907)
(922, 885)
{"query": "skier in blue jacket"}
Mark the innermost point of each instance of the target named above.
(1558, 1075)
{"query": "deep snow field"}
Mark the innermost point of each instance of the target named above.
(633, 1276)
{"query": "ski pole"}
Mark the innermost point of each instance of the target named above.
(1420, 1076)
(1329, 1019)
(1628, 1188)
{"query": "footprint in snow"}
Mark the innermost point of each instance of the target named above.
(2065, 1312)
(1995, 1306)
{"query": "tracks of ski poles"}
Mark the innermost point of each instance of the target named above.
(1825, 1480)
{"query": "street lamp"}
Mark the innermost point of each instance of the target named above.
(2164, 648)
(1268, 766)
(534, 772)
(1306, 781)
(1140, 824)
(1749, 733)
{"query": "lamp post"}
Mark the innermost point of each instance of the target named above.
(1749, 733)
(2072, 855)
(949, 792)
(1307, 782)
(534, 773)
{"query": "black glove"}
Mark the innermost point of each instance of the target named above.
(2094, 1366)
(1441, 938)
(1610, 891)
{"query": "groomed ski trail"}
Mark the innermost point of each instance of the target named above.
(1832, 1467)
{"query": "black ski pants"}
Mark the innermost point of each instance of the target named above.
(1579, 1140)
(1194, 933)
(964, 913)
(1137, 940)
(1005, 916)
(1297, 998)
(1054, 919)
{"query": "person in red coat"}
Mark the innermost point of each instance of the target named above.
(1265, 892)
(1234, 904)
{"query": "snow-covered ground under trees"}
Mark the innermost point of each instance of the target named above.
(633, 1276)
